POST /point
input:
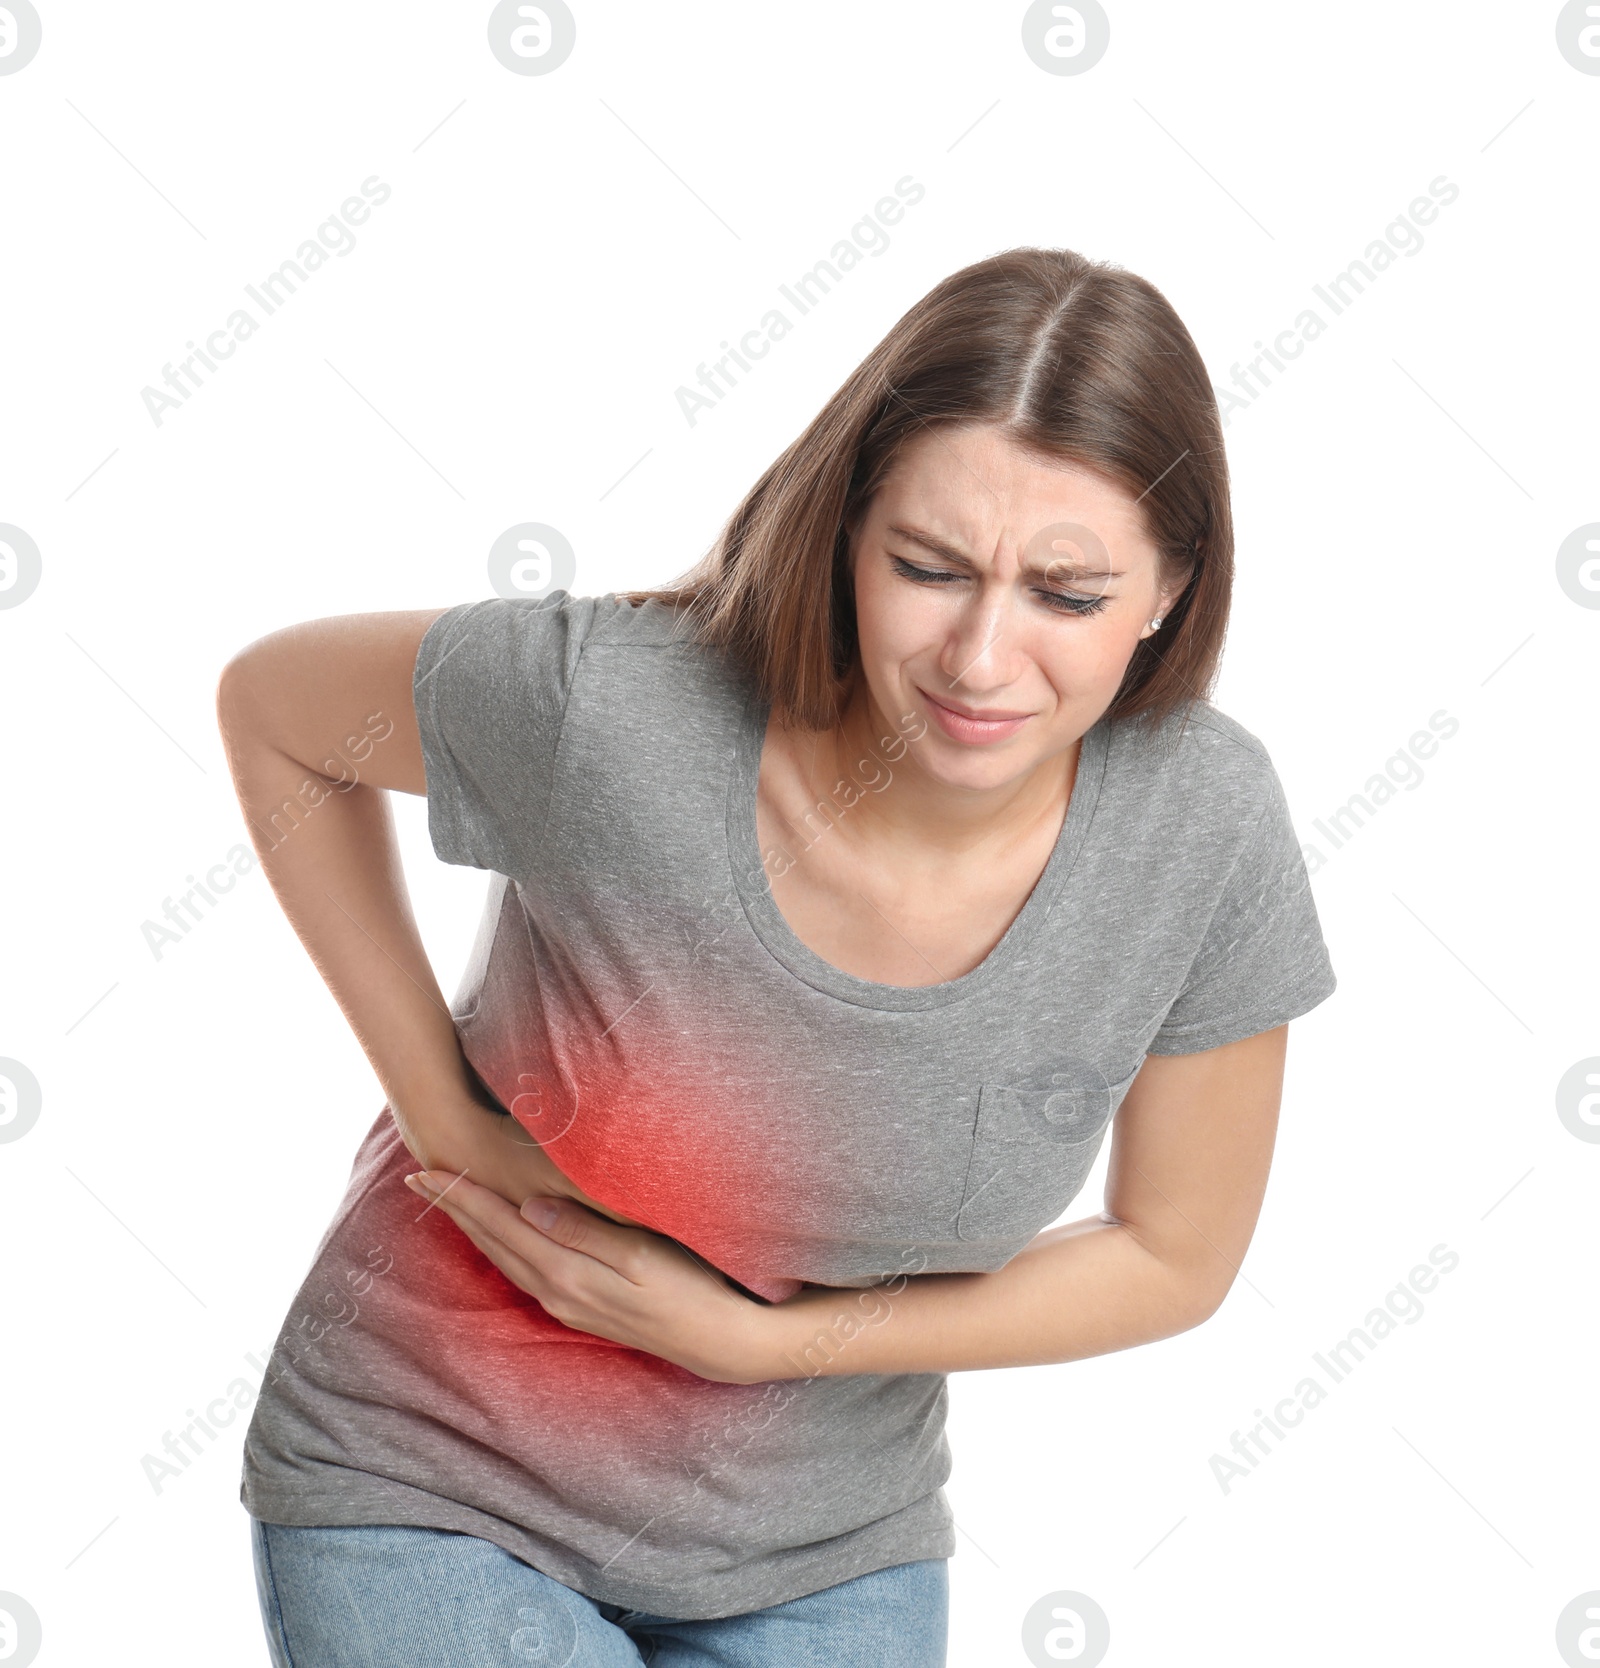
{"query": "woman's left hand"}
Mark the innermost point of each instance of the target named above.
(630, 1285)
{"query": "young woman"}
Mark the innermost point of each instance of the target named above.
(840, 896)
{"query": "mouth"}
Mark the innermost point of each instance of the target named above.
(974, 726)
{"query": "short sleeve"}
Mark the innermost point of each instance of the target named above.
(1263, 960)
(490, 688)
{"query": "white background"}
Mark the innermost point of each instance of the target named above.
(504, 344)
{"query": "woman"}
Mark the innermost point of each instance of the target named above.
(840, 896)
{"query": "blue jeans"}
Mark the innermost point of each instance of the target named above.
(430, 1598)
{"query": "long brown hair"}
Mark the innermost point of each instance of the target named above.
(1078, 360)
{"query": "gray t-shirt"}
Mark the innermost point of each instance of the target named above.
(638, 1002)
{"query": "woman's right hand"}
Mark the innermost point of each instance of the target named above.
(320, 725)
(469, 1137)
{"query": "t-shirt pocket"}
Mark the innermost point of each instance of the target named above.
(1032, 1147)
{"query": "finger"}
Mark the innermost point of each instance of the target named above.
(434, 1185)
(529, 1278)
(562, 1224)
(633, 1254)
(495, 1215)
(575, 1228)
(465, 1203)
(466, 1200)
(524, 1255)
(517, 1269)
(493, 1211)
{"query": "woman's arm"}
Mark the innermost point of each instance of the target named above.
(1192, 1144)
(1191, 1148)
(318, 721)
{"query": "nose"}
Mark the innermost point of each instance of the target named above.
(980, 651)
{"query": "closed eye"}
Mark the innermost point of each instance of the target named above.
(1060, 602)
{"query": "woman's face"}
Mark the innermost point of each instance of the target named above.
(1000, 599)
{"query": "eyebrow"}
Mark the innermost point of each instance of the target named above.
(950, 552)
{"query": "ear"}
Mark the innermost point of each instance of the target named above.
(1169, 597)
(1164, 602)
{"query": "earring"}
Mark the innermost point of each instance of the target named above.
(1155, 624)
